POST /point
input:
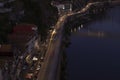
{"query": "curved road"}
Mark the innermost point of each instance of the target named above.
(49, 66)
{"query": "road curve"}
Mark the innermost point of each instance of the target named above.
(49, 66)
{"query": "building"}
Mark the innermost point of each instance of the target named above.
(23, 39)
(5, 10)
(6, 55)
(78, 4)
(6, 50)
(5, 6)
(17, 13)
(24, 28)
(11, 11)
(63, 7)
(24, 36)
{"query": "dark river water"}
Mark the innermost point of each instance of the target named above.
(95, 50)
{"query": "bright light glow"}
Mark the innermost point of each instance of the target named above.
(41, 58)
(29, 75)
(70, 9)
(54, 31)
(28, 59)
(35, 59)
(34, 28)
(61, 19)
(71, 30)
(36, 44)
(63, 7)
(81, 26)
(21, 57)
(83, 9)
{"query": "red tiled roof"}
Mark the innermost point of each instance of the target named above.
(20, 38)
(23, 28)
(21, 35)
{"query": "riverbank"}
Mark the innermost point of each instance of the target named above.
(68, 40)
(95, 58)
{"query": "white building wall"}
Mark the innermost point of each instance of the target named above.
(31, 44)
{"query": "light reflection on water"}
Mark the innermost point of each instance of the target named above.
(95, 51)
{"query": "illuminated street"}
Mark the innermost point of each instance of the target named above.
(36, 37)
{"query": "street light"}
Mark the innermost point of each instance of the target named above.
(54, 31)
(63, 7)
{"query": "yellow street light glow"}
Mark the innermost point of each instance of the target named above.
(54, 31)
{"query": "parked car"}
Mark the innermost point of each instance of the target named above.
(38, 67)
(29, 75)
(41, 58)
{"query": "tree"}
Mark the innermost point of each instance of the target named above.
(41, 14)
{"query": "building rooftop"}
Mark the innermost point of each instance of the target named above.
(22, 33)
(6, 50)
(20, 37)
(22, 28)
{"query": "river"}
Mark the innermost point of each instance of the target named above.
(94, 53)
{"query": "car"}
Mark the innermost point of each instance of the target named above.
(38, 67)
(35, 58)
(41, 58)
(29, 76)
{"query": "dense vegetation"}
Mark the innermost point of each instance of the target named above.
(5, 28)
(38, 12)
